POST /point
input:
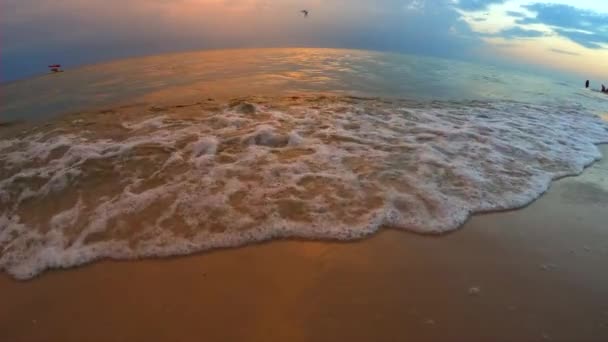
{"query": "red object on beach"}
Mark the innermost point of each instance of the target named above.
(55, 66)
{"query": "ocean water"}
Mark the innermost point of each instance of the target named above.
(171, 155)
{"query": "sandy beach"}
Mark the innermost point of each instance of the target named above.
(303, 171)
(526, 275)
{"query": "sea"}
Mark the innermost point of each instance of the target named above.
(177, 154)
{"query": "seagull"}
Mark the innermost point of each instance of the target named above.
(305, 13)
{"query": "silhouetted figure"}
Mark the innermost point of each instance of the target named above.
(55, 68)
(587, 84)
(603, 89)
(305, 12)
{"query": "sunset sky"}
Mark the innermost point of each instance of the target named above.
(566, 35)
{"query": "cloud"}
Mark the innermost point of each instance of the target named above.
(504, 45)
(564, 52)
(567, 17)
(585, 27)
(518, 32)
(588, 40)
(477, 5)
(515, 14)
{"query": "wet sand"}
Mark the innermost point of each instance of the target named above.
(527, 275)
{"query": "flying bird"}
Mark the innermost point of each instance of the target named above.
(305, 13)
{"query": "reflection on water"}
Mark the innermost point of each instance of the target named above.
(230, 73)
(178, 169)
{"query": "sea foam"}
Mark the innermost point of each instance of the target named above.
(321, 167)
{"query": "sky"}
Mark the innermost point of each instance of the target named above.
(565, 35)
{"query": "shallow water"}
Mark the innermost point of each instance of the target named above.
(233, 73)
(185, 168)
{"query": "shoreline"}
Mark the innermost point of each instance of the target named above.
(603, 147)
(530, 274)
(235, 239)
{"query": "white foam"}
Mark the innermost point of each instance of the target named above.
(204, 146)
(6, 143)
(294, 139)
(266, 135)
(154, 122)
(338, 169)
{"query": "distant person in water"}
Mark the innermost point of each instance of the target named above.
(587, 84)
(603, 89)
(55, 68)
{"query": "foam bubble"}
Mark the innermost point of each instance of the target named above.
(154, 122)
(294, 139)
(204, 146)
(265, 135)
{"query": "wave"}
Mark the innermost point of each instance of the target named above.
(139, 182)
